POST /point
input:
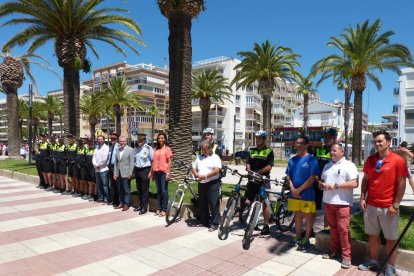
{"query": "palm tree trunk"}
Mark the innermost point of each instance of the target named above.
(13, 142)
(267, 114)
(152, 130)
(61, 125)
(205, 104)
(357, 131)
(305, 113)
(71, 93)
(118, 122)
(92, 131)
(50, 125)
(348, 92)
(180, 120)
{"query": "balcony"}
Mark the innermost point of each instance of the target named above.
(279, 111)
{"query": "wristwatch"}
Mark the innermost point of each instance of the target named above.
(336, 185)
(396, 205)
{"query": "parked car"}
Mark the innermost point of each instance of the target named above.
(242, 154)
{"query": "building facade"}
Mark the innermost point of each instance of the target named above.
(405, 107)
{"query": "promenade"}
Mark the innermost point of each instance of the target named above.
(42, 233)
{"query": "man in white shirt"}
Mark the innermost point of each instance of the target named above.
(339, 178)
(99, 161)
(207, 170)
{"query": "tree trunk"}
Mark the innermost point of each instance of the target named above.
(118, 122)
(205, 104)
(50, 125)
(71, 91)
(348, 92)
(267, 115)
(305, 113)
(357, 131)
(61, 125)
(180, 117)
(13, 142)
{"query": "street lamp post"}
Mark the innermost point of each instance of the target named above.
(281, 144)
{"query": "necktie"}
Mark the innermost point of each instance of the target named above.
(112, 152)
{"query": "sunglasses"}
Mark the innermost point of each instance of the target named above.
(379, 165)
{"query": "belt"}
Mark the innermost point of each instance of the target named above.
(143, 168)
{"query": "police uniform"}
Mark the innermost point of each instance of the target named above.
(143, 159)
(90, 169)
(71, 159)
(60, 156)
(80, 168)
(258, 159)
(323, 155)
(42, 182)
(45, 157)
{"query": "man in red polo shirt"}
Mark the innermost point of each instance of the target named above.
(382, 190)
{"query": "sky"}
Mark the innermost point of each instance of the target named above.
(227, 27)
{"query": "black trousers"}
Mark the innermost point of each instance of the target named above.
(209, 196)
(142, 180)
(40, 173)
(114, 189)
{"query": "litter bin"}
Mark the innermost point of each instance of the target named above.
(237, 160)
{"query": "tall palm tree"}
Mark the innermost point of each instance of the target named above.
(117, 97)
(305, 87)
(366, 51)
(180, 14)
(72, 26)
(208, 85)
(265, 65)
(12, 71)
(91, 107)
(52, 104)
(154, 112)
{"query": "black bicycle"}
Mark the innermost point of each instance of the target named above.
(279, 212)
(176, 201)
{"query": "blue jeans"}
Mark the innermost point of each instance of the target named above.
(162, 191)
(102, 185)
(124, 188)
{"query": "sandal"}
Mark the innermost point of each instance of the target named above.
(157, 213)
(162, 213)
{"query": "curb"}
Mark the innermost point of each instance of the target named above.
(360, 251)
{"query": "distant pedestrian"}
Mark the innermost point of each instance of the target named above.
(339, 178)
(23, 152)
(382, 190)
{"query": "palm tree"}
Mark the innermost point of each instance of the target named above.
(11, 78)
(365, 51)
(52, 104)
(154, 112)
(209, 85)
(305, 87)
(91, 107)
(71, 25)
(266, 65)
(180, 14)
(117, 97)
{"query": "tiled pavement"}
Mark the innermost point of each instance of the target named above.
(42, 233)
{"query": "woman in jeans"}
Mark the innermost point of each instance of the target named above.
(160, 172)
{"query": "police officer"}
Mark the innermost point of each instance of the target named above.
(90, 189)
(80, 169)
(60, 161)
(36, 157)
(323, 155)
(53, 175)
(143, 159)
(71, 161)
(45, 159)
(260, 160)
(208, 134)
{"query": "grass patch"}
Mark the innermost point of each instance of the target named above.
(21, 166)
(357, 228)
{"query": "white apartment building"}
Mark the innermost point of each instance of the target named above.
(405, 107)
(236, 121)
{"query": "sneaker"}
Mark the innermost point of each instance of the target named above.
(66, 193)
(330, 255)
(85, 197)
(50, 188)
(295, 241)
(346, 263)
(265, 230)
(56, 191)
(372, 265)
(303, 244)
(390, 270)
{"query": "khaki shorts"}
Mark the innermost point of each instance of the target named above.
(376, 219)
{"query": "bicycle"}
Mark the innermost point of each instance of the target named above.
(235, 204)
(176, 201)
(279, 213)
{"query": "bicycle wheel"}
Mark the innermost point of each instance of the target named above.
(247, 239)
(227, 217)
(284, 218)
(174, 207)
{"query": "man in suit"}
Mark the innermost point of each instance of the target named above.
(124, 167)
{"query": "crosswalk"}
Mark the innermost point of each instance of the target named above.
(42, 233)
